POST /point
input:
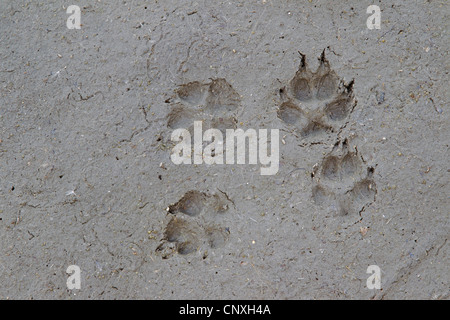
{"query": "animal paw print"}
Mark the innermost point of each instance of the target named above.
(342, 183)
(314, 103)
(196, 224)
(215, 103)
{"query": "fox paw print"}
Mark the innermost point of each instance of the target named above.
(316, 103)
(215, 103)
(196, 224)
(342, 184)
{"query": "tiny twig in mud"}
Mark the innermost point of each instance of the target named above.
(255, 26)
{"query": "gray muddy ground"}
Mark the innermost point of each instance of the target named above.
(86, 176)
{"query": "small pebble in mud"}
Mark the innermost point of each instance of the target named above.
(363, 230)
(380, 97)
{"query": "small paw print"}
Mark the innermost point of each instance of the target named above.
(215, 103)
(196, 224)
(342, 184)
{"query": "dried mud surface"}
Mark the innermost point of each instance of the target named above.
(86, 177)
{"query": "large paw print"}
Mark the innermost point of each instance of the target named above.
(214, 103)
(196, 224)
(342, 183)
(318, 102)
